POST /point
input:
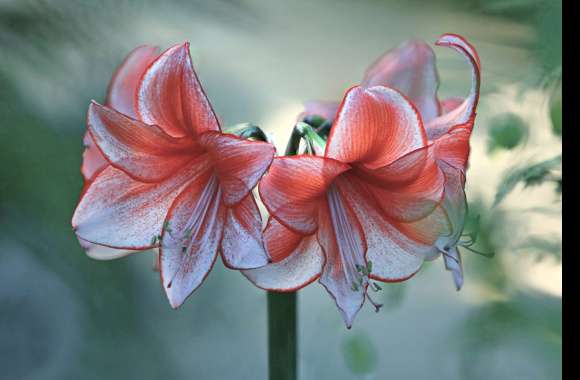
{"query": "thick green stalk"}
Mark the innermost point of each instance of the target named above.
(282, 336)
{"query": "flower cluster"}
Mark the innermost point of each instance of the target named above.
(378, 190)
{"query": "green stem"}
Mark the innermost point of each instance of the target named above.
(282, 338)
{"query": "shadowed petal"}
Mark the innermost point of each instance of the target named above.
(101, 252)
(242, 246)
(453, 264)
(455, 206)
(453, 148)
(170, 95)
(343, 242)
(93, 159)
(395, 256)
(409, 68)
(409, 188)
(374, 127)
(143, 151)
(191, 238)
(464, 114)
(293, 188)
(117, 211)
(297, 260)
(239, 163)
(122, 89)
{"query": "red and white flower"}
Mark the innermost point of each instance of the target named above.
(388, 189)
(171, 178)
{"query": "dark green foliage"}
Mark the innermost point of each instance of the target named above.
(506, 131)
(529, 175)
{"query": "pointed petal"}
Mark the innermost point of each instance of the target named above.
(122, 89)
(142, 151)
(374, 127)
(93, 159)
(170, 95)
(293, 187)
(191, 238)
(343, 242)
(101, 252)
(409, 68)
(242, 246)
(453, 264)
(326, 110)
(117, 211)
(464, 114)
(239, 163)
(297, 260)
(395, 256)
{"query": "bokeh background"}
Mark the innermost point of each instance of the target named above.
(65, 316)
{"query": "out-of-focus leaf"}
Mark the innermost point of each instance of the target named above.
(506, 131)
(556, 116)
(542, 247)
(359, 354)
(531, 175)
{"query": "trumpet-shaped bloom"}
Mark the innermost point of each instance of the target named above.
(172, 179)
(389, 191)
(355, 213)
(411, 69)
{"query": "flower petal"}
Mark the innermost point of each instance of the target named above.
(453, 148)
(395, 256)
(101, 252)
(170, 95)
(242, 246)
(191, 238)
(142, 151)
(239, 163)
(464, 114)
(119, 212)
(343, 242)
(409, 68)
(453, 264)
(374, 127)
(455, 206)
(297, 260)
(409, 188)
(123, 86)
(293, 188)
(93, 159)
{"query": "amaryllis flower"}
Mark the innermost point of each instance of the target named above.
(173, 179)
(351, 215)
(386, 195)
(411, 69)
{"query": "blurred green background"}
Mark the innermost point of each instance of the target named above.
(65, 316)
